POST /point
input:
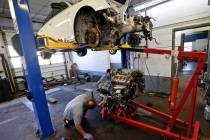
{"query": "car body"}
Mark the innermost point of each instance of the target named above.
(95, 23)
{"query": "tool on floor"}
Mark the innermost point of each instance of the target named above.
(123, 111)
(52, 100)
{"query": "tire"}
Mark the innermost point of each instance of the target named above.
(86, 23)
(81, 52)
(112, 52)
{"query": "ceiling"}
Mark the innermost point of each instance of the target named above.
(39, 9)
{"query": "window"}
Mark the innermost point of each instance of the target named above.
(188, 46)
(14, 57)
(12, 51)
(17, 62)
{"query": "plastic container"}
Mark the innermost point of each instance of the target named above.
(207, 113)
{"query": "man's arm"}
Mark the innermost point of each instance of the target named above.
(77, 121)
(80, 129)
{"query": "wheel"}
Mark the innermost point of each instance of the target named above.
(81, 52)
(112, 52)
(46, 55)
(92, 37)
(86, 28)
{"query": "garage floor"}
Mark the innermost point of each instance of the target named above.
(17, 118)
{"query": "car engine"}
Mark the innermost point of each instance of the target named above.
(115, 93)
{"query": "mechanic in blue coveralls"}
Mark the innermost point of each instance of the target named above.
(74, 114)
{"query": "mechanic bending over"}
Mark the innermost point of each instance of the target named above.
(74, 114)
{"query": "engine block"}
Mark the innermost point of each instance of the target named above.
(124, 85)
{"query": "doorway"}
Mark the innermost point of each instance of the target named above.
(193, 41)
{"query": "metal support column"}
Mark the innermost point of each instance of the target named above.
(125, 55)
(20, 14)
(125, 59)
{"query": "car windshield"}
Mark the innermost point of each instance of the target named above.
(121, 1)
(56, 8)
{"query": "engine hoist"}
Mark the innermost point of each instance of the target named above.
(122, 111)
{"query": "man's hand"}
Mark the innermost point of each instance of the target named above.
(80, 129)
(88, 136)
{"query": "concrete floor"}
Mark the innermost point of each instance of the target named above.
(17, 118)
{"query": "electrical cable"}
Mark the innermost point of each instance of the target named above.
(153, 84)
(153, 93)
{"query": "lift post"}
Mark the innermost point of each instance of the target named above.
(21, 18)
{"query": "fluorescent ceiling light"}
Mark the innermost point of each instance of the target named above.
(148, 4)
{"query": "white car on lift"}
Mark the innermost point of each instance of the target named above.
(95, 23)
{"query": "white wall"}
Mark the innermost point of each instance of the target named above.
(96, 61)
(177, 11)
(116, 58)
(173, 14)
(93, 61)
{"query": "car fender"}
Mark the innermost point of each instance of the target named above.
(61, 26)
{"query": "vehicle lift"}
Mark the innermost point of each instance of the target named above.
(20, 14)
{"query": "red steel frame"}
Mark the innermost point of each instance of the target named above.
(172, 118)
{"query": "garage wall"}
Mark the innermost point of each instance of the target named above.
(115, 60)
(93, 62)
(172, 15)
(168, 16)
(50, 70)
(177, 11)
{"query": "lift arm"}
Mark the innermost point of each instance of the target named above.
(49, 43)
